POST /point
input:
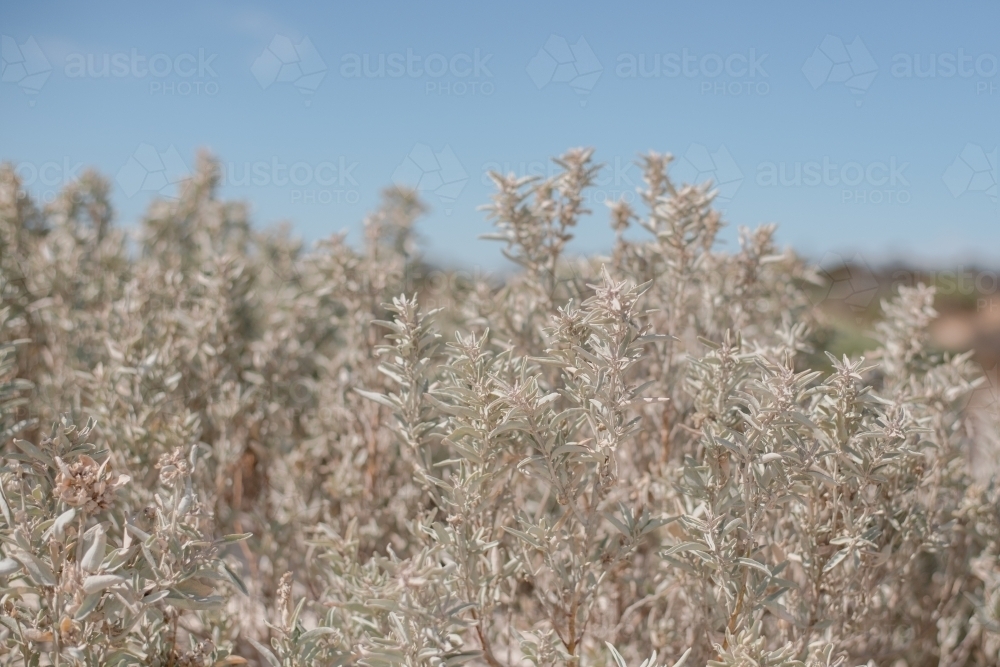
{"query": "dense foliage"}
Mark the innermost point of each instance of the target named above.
(221, 448)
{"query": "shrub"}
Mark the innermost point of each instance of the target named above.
(335, 456)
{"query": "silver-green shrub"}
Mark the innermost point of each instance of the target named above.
(222, 448)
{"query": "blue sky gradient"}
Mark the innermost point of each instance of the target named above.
(857, 127)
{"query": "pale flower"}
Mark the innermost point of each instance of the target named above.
(87, 484)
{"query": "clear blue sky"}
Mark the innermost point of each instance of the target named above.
(862, 126)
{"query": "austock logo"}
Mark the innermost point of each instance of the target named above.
(458, 74)
(851, 283)
(327, 182)
(974, 170)
(559, 62)
(434, 172)
(283, 61)
(834, 62)
(732, 74)
(981, 69)
(876, 182)
(24, 65)
(618, 179)
(698, 165)
(43, 180)
(153, 172)
(183, 74)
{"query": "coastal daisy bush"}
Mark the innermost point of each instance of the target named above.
(221, 447)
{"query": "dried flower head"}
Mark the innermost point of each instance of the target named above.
(87, 485)
(173, 466)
